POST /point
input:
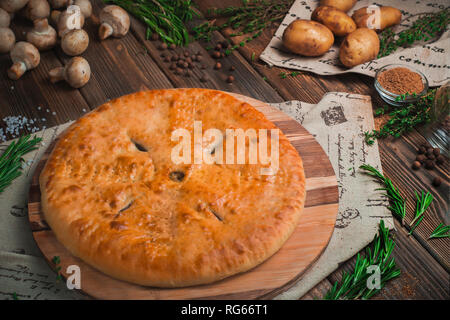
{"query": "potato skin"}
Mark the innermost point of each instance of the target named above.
(334, 19)
(308, 38)
(358, 47)
(389, 16)
(343, 5)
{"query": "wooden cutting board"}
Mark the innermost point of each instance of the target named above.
(270, 278)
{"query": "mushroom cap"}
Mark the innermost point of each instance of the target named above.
(117, 18)
(27, 53)
(37, 9)
(85, 7)
(57, 4)
(13, 5)
(7, 40)
(42, 36)
(5, 19)
(66, 22)
(75, 42)
(77, 72)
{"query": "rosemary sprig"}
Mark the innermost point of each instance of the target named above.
(403, 119)
(427, 27)
(165, 17)
(423, 202)
(397, 206)
(251, 19)
(354, 285)
(441, 231)
(11, 160)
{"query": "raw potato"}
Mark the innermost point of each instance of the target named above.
(343, 5)
(358, 47)
(335, 20)
(308, 38)
(365, 18)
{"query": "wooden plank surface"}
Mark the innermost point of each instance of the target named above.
(274, 276)
(129, 64)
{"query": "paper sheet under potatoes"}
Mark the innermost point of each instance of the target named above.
(432, 58)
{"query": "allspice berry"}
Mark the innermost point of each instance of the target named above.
(421, 158)
(429, 164)
(173, 46)
(436, 152)
(416, 165)
(437, 182)
(162, 46)
(216, 54)
(230, 79)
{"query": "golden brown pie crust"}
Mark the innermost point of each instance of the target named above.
(118, 207)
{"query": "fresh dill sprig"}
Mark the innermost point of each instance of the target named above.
(427, 27)
(403, 119)
(423, 202)
(354, 285)
(397, 206)
(56, 261)
(251, 19)
(441, 231)
(12, 158)
(165, 17)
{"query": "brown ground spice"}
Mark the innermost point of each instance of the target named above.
(401, 80)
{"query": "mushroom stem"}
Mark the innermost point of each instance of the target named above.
(105, 31)
(56, 74)
(17, 70)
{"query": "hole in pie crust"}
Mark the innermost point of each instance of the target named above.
(139, 146)
(125, 208)
(216, 214)
(177, 176)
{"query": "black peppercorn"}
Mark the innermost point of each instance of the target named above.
(421, 150)
(216, 54)
(440, 159)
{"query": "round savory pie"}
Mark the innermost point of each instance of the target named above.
(114, 196)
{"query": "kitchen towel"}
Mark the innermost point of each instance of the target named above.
(338, 122)
(431, 58)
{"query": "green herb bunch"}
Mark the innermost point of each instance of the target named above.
(354, 285)
(427, 27)
(423, 202)
(167, 18)
(11, 160)
(251, 18)
(403, 119)
(441, 231)
(398, 203)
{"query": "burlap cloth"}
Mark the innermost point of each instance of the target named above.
(431, 58)
(338, 123)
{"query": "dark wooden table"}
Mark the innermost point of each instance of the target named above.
(122, 66)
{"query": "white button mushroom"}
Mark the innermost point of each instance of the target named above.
(25, 57)
(5, 19)
(7, 40)
(54, 17)
(13, 5)
(42, 36)
(85, 7)
(36, 9)
(114, 22)
(69, 21)
(57, 4)
(76, 73)
(75, 42)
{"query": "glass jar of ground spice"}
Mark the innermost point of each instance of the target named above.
(399, 85)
